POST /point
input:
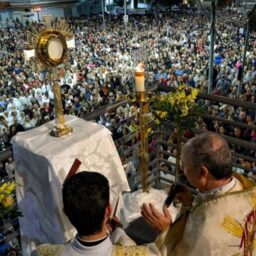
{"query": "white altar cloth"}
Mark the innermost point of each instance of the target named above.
(41, 165)
(134, 200)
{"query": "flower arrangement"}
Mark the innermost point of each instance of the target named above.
(6, 198)
(180, 107)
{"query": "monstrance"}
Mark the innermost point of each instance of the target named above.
(50, 47)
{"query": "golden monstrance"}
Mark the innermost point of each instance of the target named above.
(50, 47)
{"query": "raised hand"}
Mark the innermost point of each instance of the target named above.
(155, 218)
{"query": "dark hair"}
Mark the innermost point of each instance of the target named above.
(85, 198)
(211, 151)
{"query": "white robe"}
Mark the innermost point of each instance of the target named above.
(213, 225)
(117, 244)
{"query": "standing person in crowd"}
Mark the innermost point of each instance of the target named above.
(86, 204)
(205, 226)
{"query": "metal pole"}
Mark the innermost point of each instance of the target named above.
(144, 145)
(143, 129)
(210, 79)
(244, 57)
(125, 7)
(103, 14)
(109, 10)
(245, 7)
(158, 176)
(206, 13)
(38, 16)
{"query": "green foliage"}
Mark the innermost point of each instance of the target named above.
(179, 107)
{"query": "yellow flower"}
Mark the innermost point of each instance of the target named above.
(163, 114)
(7, 202)
(181, 87)
(7, 188)
(157, 121)
(190, 98)
(194, 93)
(10, 188)
(180, 104)
(172, 100)
(184, 111)
(149, 130)
(162, 97)
(1, 197)
(3, 187)
(181, 96)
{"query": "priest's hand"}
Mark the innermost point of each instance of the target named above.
(160, 221)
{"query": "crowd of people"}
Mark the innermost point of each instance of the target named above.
(100, 70)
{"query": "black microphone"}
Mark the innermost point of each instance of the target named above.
(177, 187)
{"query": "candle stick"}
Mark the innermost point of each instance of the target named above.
(143, 103)
(140, 78)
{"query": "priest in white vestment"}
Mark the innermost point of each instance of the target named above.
(219, 220)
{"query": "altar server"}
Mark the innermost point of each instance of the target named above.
(86, 204)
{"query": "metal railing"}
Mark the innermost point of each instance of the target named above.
(161, 170)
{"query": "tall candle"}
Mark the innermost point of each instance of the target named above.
(140, 78)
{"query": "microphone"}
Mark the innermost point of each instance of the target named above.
(177, 187)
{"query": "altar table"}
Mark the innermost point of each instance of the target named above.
(41, 165)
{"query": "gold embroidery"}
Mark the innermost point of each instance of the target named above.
(246, 232)
(49, 250)
(253, 201)
(130, 250)
(232, 226)
(246, 183)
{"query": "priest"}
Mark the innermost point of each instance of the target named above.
(220, 219)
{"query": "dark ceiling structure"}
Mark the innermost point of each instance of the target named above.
(34, 4)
